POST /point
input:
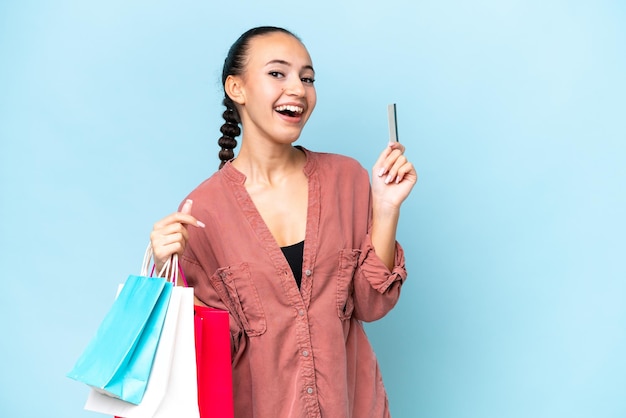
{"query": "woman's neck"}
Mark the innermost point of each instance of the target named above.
(269, 165)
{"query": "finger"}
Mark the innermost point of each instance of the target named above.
(406, 171)
(163, 253)
(379, 165)
(398, 146)
(394, 168)
(169, 233)
(392, 157)
(387, 158)
(165, 243)
(186, 209)
(178, 217)
(162, 244)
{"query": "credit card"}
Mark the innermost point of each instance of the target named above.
(393, 122)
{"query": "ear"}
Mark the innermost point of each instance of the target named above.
(233, 86)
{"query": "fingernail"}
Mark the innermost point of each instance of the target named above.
(388, 179)
(381, 172)
(188, 202)
(398, 179)
(390, 144)
(200, 224)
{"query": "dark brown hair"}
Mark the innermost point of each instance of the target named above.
(234, 64)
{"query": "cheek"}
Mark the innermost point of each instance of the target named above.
(263, 93)
(312, 99)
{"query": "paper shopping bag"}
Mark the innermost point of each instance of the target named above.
(118, 360)
(171, 390)
(215, 381)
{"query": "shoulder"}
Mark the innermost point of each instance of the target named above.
(208, 184)
(329, 162)
(203, 194)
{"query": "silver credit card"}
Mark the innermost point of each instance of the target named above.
(393, 122)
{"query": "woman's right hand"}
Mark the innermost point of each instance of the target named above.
(169, 235)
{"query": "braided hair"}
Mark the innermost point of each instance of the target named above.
(234, 64)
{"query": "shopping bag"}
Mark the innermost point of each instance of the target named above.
(196, 381)
(215, 379)
(118, 360)
(172, 387)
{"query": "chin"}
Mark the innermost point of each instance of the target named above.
(289, 138)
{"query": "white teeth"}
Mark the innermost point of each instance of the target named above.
(294, 109)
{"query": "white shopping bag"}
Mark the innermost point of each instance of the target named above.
(172, 389)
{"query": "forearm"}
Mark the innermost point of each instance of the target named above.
(383, 233)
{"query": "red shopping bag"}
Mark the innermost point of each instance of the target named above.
(213, 362)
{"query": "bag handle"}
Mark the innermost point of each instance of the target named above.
(171, 270)
(175, 271)
(149, 255)
(146, 260)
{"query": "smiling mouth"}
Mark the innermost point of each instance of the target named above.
(289, 110)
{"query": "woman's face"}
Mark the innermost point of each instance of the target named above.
(277, 92)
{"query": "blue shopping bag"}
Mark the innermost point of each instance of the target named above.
(118, 360)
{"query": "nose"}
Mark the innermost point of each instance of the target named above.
(295, 87)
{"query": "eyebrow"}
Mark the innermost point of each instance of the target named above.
(283, 62)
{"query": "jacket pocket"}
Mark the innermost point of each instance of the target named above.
(348, 260)
(244, 301)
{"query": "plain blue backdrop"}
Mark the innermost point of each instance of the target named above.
(513, 112)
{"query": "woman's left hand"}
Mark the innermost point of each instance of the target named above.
(393, 176)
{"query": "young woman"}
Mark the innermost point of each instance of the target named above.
(297, 245)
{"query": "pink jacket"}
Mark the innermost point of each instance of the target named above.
(296, 353)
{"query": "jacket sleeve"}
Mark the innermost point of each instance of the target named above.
(207, 294)
(376, 289)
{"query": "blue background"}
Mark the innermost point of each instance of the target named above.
(512, 111)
